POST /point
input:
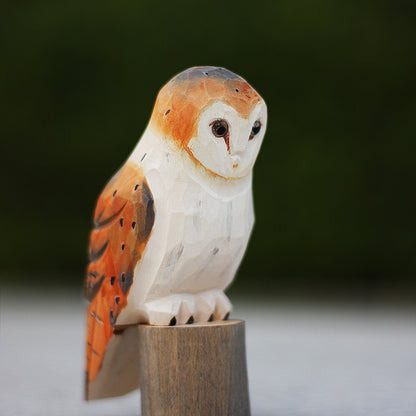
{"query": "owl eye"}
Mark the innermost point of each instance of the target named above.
(255, 129)
(219, 128)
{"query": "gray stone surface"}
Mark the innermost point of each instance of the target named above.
(302, 359)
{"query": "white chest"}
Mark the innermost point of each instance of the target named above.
(201, 229)
(204, 237)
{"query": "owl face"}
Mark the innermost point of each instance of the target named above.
(226, 143)
(215, 116)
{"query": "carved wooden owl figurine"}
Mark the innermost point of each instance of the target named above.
(171, 227)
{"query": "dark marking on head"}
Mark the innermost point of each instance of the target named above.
(121, 222)
(167, 112)
(133, 224)
(112, 280)
(135, 188)
(114, 193)
(95, 352)
(117, 299)
(236, 90)
(122, 246)
(141, 160)
(172, 322)
(206, 71)
(215, 251)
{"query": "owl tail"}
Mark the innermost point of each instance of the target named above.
(119, 370)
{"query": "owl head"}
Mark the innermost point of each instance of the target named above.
(215, 116)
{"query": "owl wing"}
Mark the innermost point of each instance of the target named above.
(123, 221)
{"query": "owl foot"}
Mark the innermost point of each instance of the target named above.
(184, 308)
(171, 310)
(212, 305)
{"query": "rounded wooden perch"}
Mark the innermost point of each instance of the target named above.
(197, 369)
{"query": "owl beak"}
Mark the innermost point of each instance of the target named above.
(236, 160)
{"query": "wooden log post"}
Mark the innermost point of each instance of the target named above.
(194, 370)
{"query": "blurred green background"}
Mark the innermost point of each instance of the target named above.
(334, 182)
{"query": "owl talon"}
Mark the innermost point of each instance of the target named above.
(176, 309)
(184, 308)
(212, 305)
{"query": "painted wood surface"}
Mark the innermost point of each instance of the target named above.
(172, 226)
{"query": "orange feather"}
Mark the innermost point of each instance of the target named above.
(123, 221)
